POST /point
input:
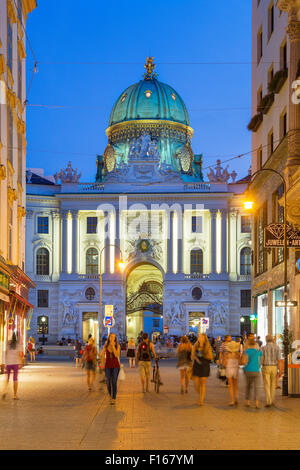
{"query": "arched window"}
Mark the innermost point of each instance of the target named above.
(245, 261)
(196, 261)
(42, 261)
(92, 261)
(42, 325)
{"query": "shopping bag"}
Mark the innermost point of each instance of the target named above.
(121, 373)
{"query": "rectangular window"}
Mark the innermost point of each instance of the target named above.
(10, 130)
(270, 144)
(283, 56)
(259, 158)
(270, 74)
(10, 232)
(91, 226)
(259, 99)
(283, 125)
(43, 298)
(245, 224)
(9, 45)
(19, 79)
(259, 45)
(20, 10)
(20, 159)
(270, 20)
(42, 225)
(246, 298)
(196, 224)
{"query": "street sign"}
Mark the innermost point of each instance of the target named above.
(166, 329)
(109, 311)
(290, 303)
(274, 236)
(204, 322)
(109, 322)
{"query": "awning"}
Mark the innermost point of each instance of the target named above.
(21, 299)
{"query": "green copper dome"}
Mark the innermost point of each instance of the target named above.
(149, 99)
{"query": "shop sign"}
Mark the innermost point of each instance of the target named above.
(4, 280)
(296, 354)
(274, 236)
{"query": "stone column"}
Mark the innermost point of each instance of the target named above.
(293, 31)
(117, 241)
(232, 244)
(64, 241)
(224, 241)
(213, 247)
(29, 236)
(75, 231)
(107, 242)
(55, 241)
(170, 245)
(180, 227)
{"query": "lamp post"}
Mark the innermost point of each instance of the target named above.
(248, 205)
(122, 267)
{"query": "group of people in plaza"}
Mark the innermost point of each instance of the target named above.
(193, 362)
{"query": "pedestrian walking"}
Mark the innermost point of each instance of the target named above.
(184, 362)
(13, 360)
(78, 353)
(271, 362)
(31, 348)
(201, 357)
(111, 355)
(131, 352)
(90, 359)
(144, 354)
(252, 361)
(251, 338)
(217, 346)
(223, 349)
(231, 363)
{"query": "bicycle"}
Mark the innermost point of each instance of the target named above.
(156, 375)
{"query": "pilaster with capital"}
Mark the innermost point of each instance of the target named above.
(213, 247)
(233, 214)
(170, 244)
(55, 241)
(75, 232)
(29, 236)
(64, 241)
(224, 213)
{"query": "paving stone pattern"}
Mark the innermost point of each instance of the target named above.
(56, 411)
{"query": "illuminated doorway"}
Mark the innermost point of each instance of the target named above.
(89, 326)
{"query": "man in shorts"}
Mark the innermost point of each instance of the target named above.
(144, 354)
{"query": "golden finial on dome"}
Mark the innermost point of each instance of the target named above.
(149, 66)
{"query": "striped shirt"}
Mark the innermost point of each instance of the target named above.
(271, 354)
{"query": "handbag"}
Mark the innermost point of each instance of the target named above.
(122, 373)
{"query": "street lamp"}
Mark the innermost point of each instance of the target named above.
(122, 266)
(248, 205)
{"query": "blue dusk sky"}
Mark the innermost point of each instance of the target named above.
(89, 52)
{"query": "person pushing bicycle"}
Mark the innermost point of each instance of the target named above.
(144, 354)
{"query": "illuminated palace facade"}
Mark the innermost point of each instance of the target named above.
(185, 240)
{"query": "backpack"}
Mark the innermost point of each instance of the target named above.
(88, 354)
(144, 351)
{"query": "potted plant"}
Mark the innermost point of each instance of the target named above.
(278, 81)
(255, 122)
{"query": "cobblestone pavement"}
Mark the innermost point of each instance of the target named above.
(56, 411)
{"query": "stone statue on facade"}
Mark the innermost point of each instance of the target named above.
(69, 175)
(175, 315)
(218, 315)
(218, 175)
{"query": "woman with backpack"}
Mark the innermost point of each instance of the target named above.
(111, 356)
(90, 358)
(184, 364)
(201, 355)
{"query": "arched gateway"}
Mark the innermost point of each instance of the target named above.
(144, 300)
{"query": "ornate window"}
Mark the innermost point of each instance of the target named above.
(196, 293)
(196, 224)
(148, 93)
(90, 293)
(173, 96)
(92, 261)
(245, 260)
(42, 262)
(197, 261)
(123, 98)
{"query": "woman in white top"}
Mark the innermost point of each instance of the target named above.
(13, 360)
